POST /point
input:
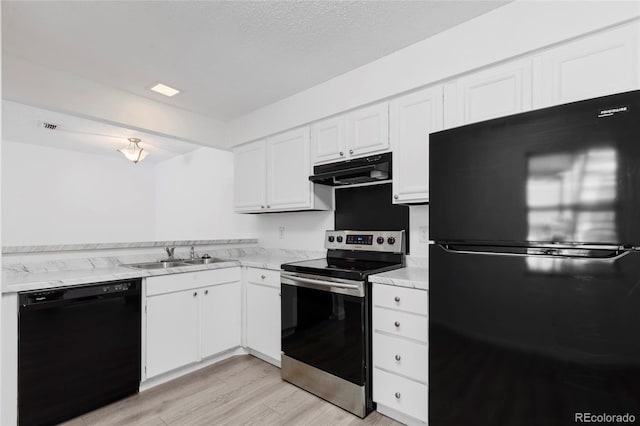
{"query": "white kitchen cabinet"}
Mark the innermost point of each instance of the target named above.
(288, 170)
(250, 171)
(263, 313)
(358, 133)
(412, 118)
(221, 310)
(492, 92)
(400, 352)
(368, 130)
(273, 175)
(191, 316)
(329, 140)
(172, 331)
(592, 66)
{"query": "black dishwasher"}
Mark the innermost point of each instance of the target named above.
(78, 349)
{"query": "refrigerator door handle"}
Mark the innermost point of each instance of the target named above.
(605, 254)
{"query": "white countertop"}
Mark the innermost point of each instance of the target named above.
(411, 276)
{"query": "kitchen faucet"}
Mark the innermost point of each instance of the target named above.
(193, 253)
(170, 251)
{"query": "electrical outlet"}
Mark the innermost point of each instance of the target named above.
(423, 232)
(281, 232)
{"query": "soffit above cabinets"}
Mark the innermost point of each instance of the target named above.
(227, 58)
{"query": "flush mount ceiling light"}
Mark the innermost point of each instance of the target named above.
(133, 152)
(163, 89)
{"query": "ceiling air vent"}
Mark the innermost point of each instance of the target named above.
(49, 126)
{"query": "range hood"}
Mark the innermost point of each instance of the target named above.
(360, 170)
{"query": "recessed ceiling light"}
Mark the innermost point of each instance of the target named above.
(163, 89)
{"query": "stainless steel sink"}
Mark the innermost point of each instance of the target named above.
(158, 265)
(204, 261)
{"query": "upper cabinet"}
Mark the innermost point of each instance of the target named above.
(412, 118)
(273, 175)
(496, 91)
(355, 134)
(597, 65)
(250, 171)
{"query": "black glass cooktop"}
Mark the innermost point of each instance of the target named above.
(351, 269)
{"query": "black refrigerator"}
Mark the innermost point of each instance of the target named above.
(534, 273)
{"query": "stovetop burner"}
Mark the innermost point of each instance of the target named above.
(355, 254)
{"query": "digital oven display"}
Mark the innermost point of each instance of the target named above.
(365, 240)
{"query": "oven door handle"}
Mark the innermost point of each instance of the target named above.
(344, 288)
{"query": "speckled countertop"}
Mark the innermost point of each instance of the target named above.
(411, 276)
(15, 281)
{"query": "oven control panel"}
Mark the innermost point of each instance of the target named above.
(387, 241)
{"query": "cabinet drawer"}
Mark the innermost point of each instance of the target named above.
(400, 324)
(400, 356)
(405, 299)
(401, 394)
(263, 276)
(189, 280)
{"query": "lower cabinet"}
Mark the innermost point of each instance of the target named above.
(191, 316)
(263, 313)
(400, 355)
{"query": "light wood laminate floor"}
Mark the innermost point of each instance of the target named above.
(241, 390)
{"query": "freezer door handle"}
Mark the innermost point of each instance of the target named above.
(572, 252)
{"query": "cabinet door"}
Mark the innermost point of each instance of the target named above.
(172, 331)
(412, 118)
(597, 65)
(250, 177)
(493, 92)
(288, 170)
(221, 318)
(368, 130)
(328, 139)
(263, 319)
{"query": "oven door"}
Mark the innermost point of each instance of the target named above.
(324, 324)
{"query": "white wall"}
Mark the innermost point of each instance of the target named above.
(418, 218)
(54, 196)
(302, 230)
(194, 198)
(511, 30)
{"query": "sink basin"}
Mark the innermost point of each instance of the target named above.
(157, 265)
(203, 261)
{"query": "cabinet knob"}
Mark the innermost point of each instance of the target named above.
(397, 357)
(341, 154)
(262, 207)
(397, 323)
(268, 206)
(206, 292)
(396, 196)
(397, 298)
(263, 276)
(397, 395)
(195, 293)
(350, 151)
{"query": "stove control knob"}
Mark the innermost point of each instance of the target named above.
(331, 238)
(391, 240)
(339, 238)
(380, 240)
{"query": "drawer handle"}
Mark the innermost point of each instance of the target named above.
(263, 276)
(350, 151)
(397, 395)
(397, 323)
(397, 298)
(206, 292)
(195, 293)
(397, 357)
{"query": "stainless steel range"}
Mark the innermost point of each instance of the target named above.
(326, 316)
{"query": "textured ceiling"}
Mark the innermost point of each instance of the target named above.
(228, 58)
